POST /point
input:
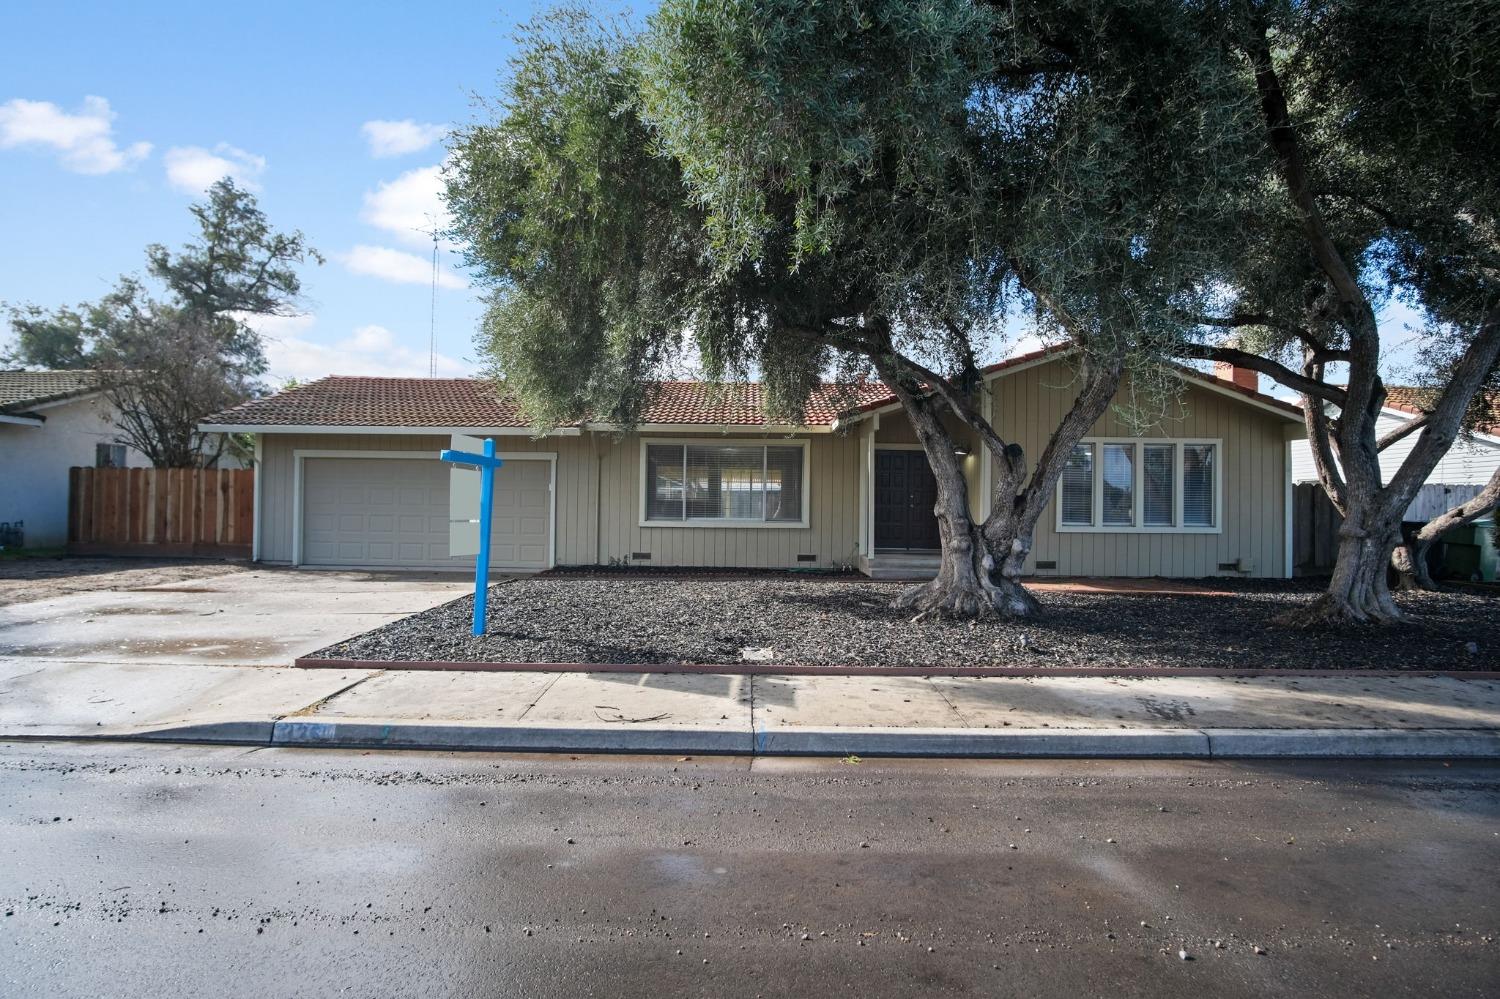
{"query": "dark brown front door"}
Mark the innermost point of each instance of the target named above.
(905, 494)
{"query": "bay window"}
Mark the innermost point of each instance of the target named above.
(740, 484)
(1151, 486)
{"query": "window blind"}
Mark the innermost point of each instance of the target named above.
(1078, 486)
(1198, 484)
(723, 482)
(1119, 484)
(1157, 485)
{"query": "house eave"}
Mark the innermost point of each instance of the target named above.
(1405, 414)
(710, 428)
(364, 430)
(22, 421)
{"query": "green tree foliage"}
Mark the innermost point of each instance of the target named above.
(166, 361)
(798, 189)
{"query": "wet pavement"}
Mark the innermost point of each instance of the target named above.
(246, 616)
(172, 870)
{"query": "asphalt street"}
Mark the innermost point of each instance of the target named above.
(192, 871)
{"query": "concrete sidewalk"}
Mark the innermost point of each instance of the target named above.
(1340, 715)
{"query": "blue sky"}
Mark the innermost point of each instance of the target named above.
(114, 117)
(281, 93)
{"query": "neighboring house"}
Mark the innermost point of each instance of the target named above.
(348, 476)
(1471, 460)
(51, 421)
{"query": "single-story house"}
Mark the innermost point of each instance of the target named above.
(51, 421)
(348, 476)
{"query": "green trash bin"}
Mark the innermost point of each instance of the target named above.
(1469, 552)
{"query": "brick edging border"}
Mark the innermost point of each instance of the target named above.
(771, 669)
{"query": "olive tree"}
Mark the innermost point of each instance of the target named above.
(1378, 123)
(804, 190)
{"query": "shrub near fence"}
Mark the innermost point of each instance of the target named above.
(161, 511)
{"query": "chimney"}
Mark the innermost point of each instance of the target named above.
(1243, 377)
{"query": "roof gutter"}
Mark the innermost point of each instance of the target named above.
(328, 428)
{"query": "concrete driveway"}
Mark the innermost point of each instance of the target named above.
(252, 617)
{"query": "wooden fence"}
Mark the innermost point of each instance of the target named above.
(1315, 530)
(161, 511)
(1315, 523)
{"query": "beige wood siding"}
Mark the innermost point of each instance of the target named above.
(589, 533)
(1029, 403)
(833, 513)
(576, 483)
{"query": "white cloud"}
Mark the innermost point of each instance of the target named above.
(368, 350)
(397, 266)
(409, 206)
(83, 141)
(273, 327)
(397, 138)
(194, 169)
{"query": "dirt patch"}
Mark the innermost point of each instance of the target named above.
(27, 579)
(840, 623)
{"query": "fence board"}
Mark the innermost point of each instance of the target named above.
(161, 511)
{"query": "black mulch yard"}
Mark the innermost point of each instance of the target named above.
(851, 623)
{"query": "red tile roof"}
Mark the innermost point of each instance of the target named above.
(20, 390)
(740, 404)
(444, 403)
(340, 401)
(1065, 348)
(1411, 399)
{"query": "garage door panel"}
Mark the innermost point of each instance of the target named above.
(394, 512)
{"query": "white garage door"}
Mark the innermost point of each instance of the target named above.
(381, 512)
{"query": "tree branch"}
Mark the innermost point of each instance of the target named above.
(1240, 320)
(1280, 372)
(1411, 426)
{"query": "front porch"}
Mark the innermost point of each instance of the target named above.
(899, 564)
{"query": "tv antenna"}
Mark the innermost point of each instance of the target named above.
(432, 230)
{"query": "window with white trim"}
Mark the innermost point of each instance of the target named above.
(1152, 486)
(740, 483)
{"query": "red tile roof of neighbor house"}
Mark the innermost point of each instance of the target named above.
(1414, 400)
(341, 401)
(20, 390)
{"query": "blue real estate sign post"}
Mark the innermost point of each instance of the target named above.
(486, 463)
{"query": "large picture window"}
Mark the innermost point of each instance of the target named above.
(1152, 486)
(739, 484)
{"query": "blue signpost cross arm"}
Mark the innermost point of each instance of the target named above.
(486, 463)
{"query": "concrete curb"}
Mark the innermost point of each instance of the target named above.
(987, 742)
(912, 742)
(1246, 743)
(542, 738)
(235, 733)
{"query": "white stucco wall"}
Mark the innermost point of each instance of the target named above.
(1467, 462)
(34, 463)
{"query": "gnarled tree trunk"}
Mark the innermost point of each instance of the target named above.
(1359, 591)
(1410, 559)
(979, 575)
(1410, 562)
(1018, 503)
(964, 586)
